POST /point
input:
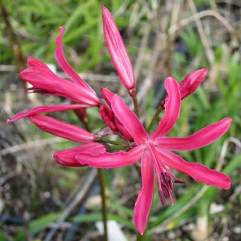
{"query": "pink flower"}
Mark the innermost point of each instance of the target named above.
(155, 151)
(118, 51)
(44, 80)
(62, 129)
(75, 89)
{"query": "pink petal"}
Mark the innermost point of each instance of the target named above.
(63, 63)
(117, 50)
(129, 120)
(43, 78)
(123, 131)
(34, 62)
(62, 129)
(67, 157)
(144, 200)
(197, 171)
(201, 138)
(108, 117)
(42, 109)
(111, 160)
(172, 108)
(192, 81)
(107, 95)
(110, 120)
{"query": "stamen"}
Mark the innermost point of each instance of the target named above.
(37, 90)
(166, 186)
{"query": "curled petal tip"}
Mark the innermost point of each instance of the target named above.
(229, 120)
(59, 37)
(227, 183)
(31, 61)
(107, 95)
(105, 91)
(192, 81)
(202, 73)
(103, 7)
(170, 79)
(66, 67)
(205, 70)
(22, 73)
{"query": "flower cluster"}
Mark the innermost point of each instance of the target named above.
(155, 151)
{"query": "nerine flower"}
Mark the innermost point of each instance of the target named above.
(75, 89)
(78, 91)
(156, 153)
(39, 75)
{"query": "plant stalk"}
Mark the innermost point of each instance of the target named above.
(102, 187)
(156, 115)
(103, 202)
(135, 101)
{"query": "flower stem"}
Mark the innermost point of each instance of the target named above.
(156, 115)
(135, 102)
(102, 191)
(103, 203)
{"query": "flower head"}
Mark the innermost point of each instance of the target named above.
(155, 151)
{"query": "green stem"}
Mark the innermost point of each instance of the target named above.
(135, 101)
(103, 203)
(102, 191)
(156, 115)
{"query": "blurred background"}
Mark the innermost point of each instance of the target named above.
(40, 200)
